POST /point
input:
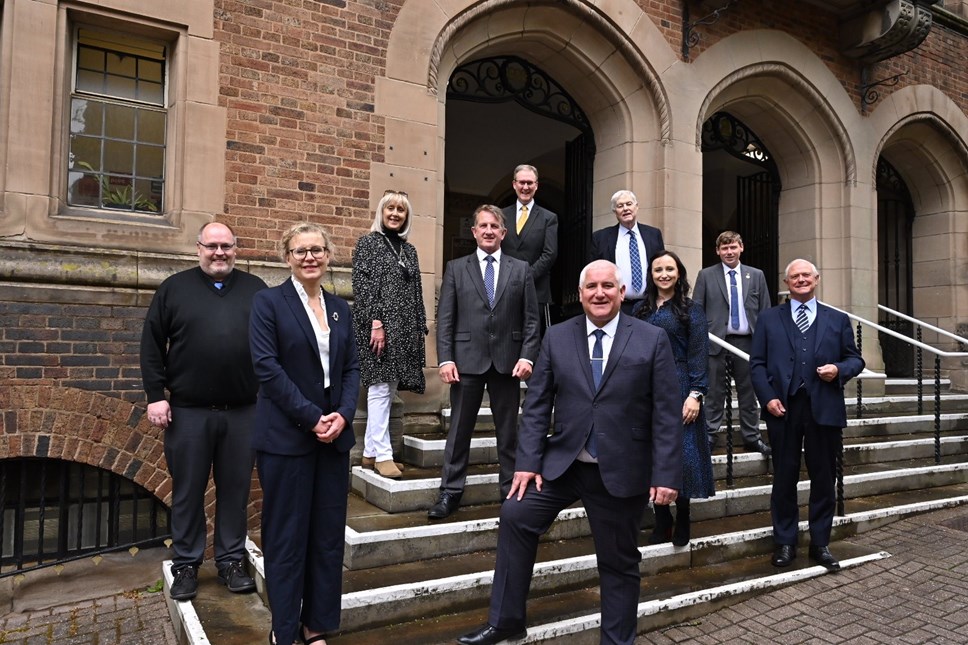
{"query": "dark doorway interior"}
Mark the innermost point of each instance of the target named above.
(501, 112)
(895, 221)
(741, 192)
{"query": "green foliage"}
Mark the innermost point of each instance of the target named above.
(119, 196)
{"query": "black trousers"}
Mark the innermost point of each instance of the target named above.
(303, 535)
(504, 392)
(199, 441)
(615, 529)
(820, 445)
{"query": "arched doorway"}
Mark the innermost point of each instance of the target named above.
(503, 111)
(741, 192)
(895, 222)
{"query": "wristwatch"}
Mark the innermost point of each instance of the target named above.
(696, 395)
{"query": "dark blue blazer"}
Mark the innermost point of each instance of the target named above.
(286, 361)
(772, 355)
(636, 414)
(605, 239)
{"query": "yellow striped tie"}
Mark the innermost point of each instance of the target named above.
(523, 219)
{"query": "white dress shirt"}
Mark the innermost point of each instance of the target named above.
(322, 337)
(744, 324)
(811, 310)
(609, 328)
(624, 261)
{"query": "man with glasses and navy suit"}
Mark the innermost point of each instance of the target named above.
(195, 345)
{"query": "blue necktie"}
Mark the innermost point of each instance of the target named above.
(802, 322)
(636, 263)
(733, 301)
(489, 280)
(598, 357)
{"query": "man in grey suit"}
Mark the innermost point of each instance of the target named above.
(532, 236)
(487, 336)
(629, 244)
(733, 296)
(616, 444)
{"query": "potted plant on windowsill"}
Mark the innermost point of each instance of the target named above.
(119, 197)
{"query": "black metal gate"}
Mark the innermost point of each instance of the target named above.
(757, 194)
(895, 222)
(54, 511)
(575, 232)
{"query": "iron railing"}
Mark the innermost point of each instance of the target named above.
(54, 511)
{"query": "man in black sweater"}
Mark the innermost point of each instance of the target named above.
(195, 344)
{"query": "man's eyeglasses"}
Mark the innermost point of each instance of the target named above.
(315, 251)
(390, 191)
(224, 248)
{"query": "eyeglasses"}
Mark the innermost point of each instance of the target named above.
(224, 248)
(390, 191)
(315, 251)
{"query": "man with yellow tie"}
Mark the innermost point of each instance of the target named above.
(532, 236)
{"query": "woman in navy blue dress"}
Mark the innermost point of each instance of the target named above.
(667, 305)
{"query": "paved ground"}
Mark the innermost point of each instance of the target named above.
(919, 595)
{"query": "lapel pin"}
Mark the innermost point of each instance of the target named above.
(335, 316)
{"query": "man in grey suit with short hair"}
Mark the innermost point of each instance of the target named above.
(616, 444)
(487, 336)
(717, 289)
(532, 236)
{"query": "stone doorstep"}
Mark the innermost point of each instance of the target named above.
(429, 453)
(189, 630)
(405, 495)
(379, 548)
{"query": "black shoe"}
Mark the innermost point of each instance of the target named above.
(446, 504)
(185, 585)
(488, 635)
(783, 555)
(233, 576)
(758, 446)
(822, 556)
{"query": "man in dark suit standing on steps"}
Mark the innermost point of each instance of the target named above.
(616, 444)
(487, 335)
(532, 236)
(803, 354)
(629, 245)
(733, 296)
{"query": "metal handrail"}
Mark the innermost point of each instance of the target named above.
(866, 374)
(937, 330)
(900, 336)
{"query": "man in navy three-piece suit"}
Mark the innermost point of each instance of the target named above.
(616, 444)
(803, 354)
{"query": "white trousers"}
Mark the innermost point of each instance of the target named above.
(376, 442)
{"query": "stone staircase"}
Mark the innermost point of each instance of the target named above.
(410, 580)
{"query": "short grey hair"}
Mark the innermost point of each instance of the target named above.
(584, 271)
(618, 194)
(813, 267)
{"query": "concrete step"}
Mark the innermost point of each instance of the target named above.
(419, 487)
(375, 541)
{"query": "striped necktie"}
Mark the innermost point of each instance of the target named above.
(802, 323)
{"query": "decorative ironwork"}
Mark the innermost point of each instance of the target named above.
(868, 95)
(839, 466)
(723, 131)
(919, 371)
(937, 408)
(503, 78)
(691, 37)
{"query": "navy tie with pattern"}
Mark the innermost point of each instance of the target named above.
(636, 263)
(802, 321)
(489, 280)
(733, 301)
(598, 357)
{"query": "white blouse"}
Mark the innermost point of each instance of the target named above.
(322, 337)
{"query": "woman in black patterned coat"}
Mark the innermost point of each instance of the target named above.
(390, 323)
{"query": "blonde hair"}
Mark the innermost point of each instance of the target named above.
(396, 197)
(299, 229)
